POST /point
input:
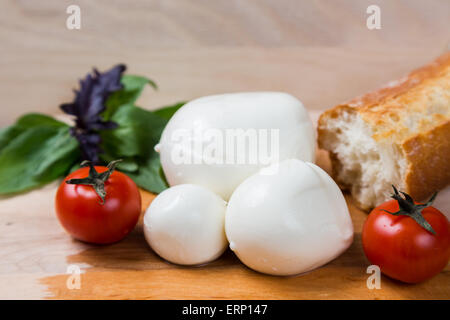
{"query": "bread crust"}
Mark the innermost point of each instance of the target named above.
(402, 85)
(428, 157)
(426, 145)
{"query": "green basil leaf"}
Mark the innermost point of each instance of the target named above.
(137, 133)
(132, 89)
(168, 111)
(37, 119)
(35, 157)
(25, 122)
(74, 167)
(127, 164)
(8, 134)
(150, 176)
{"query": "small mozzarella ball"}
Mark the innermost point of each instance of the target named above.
(288, 219)
(185, 225)
(199, 123)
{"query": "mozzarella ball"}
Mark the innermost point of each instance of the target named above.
(200, 143)
(288, 219)
(185, 225)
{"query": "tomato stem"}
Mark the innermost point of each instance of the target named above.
(95, 179)
(410, 209)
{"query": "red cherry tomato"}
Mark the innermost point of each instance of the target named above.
(402, 248)
(81, 212)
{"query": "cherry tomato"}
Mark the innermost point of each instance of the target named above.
(86, 217)
(401, 247)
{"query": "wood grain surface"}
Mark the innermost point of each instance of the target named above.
(319, 51)
(36, 253)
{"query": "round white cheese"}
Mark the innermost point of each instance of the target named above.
(288, 219)
(185, 225)
(218, 141)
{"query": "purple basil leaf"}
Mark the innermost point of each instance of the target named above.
(107, 125)
(69, 108)
(87, 106)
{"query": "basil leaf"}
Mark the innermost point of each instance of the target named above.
(137, 133)
(37, 119)
(8, 134)
(150, 175)
(35, 157)
(168, 111)
(74, 167)
(132, 89)
(38, 149)
(25, 122)
(127, 164)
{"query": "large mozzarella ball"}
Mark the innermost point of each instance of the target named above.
(198, 144)
(288, 219)
(185, 225)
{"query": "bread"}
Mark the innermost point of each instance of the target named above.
(399, 134)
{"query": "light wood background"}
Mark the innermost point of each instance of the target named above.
(319, 51)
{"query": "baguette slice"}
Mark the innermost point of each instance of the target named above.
(399, 134)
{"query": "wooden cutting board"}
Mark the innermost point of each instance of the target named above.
(319, 51)
(38, 253)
